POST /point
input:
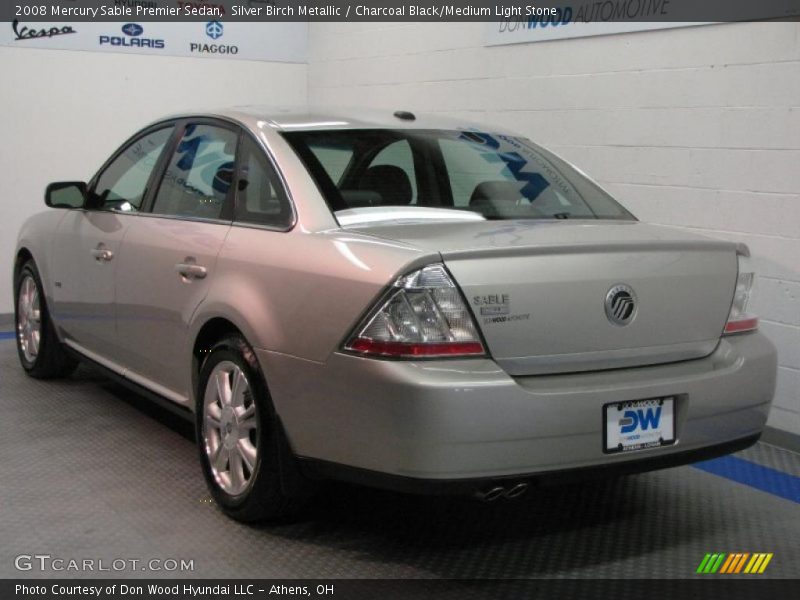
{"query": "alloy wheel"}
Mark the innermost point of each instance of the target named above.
(29, 319)
(230, 428)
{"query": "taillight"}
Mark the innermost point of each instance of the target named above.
(739, 320)
(422, 315)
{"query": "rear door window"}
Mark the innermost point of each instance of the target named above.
(198, 179)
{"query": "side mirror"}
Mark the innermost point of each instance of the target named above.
(66, 194)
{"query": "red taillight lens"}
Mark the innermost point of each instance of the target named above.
(403, 349)
(742, 325)
(423, 315)
(739, 320)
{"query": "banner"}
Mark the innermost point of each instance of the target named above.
(281, 42)
(585, 18)
(515, 32)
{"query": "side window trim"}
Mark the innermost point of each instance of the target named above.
(273, 166)
(226, 214)
(139, 135)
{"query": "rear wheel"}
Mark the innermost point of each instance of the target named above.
(41, 353)
(243, 451)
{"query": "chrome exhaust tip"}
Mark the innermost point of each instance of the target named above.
(490, 494)
(516, 491)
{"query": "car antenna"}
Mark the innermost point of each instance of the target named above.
(405, 115)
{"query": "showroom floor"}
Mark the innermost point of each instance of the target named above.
(90, 470)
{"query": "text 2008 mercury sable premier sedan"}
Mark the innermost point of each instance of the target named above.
(412, 303)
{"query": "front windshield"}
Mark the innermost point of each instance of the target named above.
(494, 176)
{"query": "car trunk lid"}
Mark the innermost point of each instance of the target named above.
(565, 296)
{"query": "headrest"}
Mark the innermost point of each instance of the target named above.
(360, 198)
(505, 192)
(390, 182)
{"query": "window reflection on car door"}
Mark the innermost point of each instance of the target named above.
(88, 244)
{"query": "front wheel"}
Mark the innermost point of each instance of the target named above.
(244, 454)
(41, 353)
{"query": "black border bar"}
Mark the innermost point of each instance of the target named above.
(705, 586)
(531, 13)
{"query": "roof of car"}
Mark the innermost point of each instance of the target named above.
(290, 119)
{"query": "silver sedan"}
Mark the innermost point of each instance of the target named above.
(398, 300)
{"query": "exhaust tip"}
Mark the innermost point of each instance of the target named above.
(516, 491)
(490, 494)
(493, 493)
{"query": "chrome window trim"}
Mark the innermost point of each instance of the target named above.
(194, 219)
(190, 219)
(246, 225)
(172, 217)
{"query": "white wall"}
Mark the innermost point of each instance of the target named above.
(62, 113)
(697, 127)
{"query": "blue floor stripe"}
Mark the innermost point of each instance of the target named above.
(751, 474)
(6, 335)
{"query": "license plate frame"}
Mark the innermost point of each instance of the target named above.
(639, 438)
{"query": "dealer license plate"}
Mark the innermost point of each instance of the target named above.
(639, 424)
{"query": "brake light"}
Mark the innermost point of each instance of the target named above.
(739, 320)
(423, 315)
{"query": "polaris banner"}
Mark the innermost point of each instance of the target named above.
(281, 42)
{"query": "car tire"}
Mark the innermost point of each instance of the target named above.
(246, 459)
(41, 353)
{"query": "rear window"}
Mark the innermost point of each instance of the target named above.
(494, 176)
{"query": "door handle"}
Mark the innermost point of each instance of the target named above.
(102, 254)
(191, 271)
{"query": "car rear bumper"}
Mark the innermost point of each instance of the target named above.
(468, 420)
(320, 469)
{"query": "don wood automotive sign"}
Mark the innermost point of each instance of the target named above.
(584, 18)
